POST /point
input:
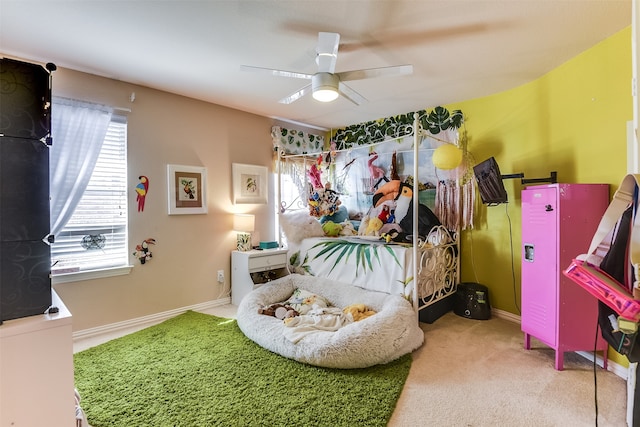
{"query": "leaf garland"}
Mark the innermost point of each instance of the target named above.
(438, 120)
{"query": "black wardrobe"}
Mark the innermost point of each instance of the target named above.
(25, 137)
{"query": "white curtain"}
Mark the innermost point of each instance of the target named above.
(78, 130)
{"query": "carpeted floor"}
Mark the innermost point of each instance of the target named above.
(200, 370)
(477, 373)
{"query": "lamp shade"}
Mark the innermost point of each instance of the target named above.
(244, 222)
(447, 156)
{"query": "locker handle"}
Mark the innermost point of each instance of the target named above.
(529, 252)
(548, 208)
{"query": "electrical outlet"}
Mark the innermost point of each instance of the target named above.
(220, 276)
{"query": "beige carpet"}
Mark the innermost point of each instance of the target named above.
(477, 373)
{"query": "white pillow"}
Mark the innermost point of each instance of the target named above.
(299, 225)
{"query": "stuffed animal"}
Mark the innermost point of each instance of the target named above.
(348, 229)
(314, 176)
(390, 229)
(388, 191)
(376, 172)
(358, 311)
(373, 225)
(331, 229)
(388, 237)
(278, 310)
(385, 214)
(323, 201)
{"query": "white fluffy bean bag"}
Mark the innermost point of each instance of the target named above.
(387, 335)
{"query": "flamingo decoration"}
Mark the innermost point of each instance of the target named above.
(376, 172)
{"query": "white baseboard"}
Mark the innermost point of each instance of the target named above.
(505, 315)
(614, 367)
(617, 369)
(146, 320)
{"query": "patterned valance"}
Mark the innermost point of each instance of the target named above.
(292, 141)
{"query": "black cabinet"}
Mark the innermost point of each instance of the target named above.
(25, 99)
(25, 257)
(24, 185)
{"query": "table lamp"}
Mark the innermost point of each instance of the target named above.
(244, 224)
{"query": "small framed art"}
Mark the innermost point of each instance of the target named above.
(187, 189)
(249, 183)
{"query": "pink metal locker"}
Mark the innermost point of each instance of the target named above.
(558, 222)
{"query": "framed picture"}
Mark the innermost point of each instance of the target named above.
(187, 186)
(249, 183)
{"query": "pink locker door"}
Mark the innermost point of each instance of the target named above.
(539, 264)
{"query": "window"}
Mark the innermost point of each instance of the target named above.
(95, 237)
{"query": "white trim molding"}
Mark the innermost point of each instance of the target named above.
(614, 367)
(145, 321)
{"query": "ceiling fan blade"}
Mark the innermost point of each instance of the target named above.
(278, 73)
(398, 70)
(296, 95)
(327, 51)
(351, 94)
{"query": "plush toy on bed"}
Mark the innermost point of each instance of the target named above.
(371, 226)
(278, 310)
(331, 229)
(348, 229)
(358, 311)
(397, 197)
(341, 215)
(304, 301)
(314, 174)
(323, 201)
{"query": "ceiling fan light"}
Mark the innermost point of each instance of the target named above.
(325, 87)
(325, 95)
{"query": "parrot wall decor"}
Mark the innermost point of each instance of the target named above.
(142, 189)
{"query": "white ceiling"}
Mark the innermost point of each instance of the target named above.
(460, 50)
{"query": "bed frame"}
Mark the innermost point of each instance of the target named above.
(438, 267)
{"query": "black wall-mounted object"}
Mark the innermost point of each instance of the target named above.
(490, 185)
(551, 179)
(25, 135)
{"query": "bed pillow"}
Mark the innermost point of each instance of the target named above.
(302, 301)
(299, 225)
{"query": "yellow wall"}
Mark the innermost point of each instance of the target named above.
(572, 120)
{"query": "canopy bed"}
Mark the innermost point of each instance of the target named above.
(353, 227)
(366, 169)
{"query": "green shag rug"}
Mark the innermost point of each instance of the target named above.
(200, 370)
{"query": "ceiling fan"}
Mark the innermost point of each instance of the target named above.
(326, 85)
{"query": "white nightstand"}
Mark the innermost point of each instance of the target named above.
(253, 268)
